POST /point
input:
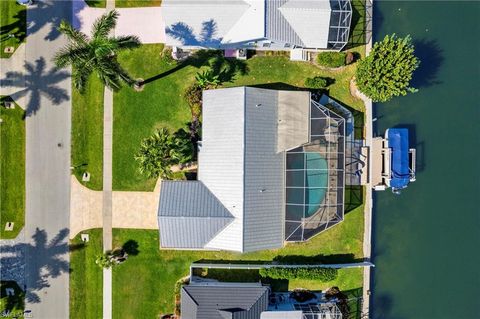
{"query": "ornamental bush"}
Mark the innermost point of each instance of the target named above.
(332, 59)
(317, 82)
(321, 274)
(387, 71)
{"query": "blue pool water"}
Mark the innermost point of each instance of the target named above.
(315, 178)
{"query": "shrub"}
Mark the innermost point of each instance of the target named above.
(207, 79)
(193, 95)
(317, 82)
(332, 59)
(321, 274)
(386, 72)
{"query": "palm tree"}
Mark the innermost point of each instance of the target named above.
(207, 79)
(162, 150)
(97, 53)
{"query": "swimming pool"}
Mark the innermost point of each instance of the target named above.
(307, 181)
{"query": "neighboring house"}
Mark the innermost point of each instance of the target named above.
(271, 168)
(257, 24)
(220, 300)
(223, 301)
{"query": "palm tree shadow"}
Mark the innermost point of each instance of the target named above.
(185, 34)
(35, 83)
(38, 261)
(47, 13)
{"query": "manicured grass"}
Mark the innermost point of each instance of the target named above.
(12, 166)
(86, 277)
(14, 305)
(143, 287)
(278, 72)
(161, 103)
(137, 114)
(137, 3)
(87, 133)
(13, 21)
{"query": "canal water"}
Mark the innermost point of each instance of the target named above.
(427, 240)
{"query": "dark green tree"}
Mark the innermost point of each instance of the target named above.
(96, 54)
(387, 71)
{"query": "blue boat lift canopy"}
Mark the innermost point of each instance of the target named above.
(393, 160)
(400, 167)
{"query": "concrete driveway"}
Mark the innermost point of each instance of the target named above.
(129, 209)
(146, 23)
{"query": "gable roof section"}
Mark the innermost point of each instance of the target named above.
(303, 23)
(263, 172)
(189, 215)
(277, 27)
(223, 301)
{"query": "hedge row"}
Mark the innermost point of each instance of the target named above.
(322, 274)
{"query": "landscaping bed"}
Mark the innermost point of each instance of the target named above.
(87, 133)
(86, 277)
(13, 19)
(12, 169)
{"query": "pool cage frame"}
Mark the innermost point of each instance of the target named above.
(329, 212)
(340, 22)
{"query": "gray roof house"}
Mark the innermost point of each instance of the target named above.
(270, 168)
(261, 24)
(234, 300)
(224, 301)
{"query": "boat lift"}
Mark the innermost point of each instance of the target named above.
(393, 164)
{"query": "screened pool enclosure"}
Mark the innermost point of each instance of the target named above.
(315, 177)
(340, 20)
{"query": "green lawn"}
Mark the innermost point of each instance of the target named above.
(12, 166)
(87, 133)
(161, 103)
(86, 278)
(13, 304)
(144, 285)
(13, 21)
(137, 114)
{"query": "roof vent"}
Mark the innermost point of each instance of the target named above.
(258, 105)
(263, 190)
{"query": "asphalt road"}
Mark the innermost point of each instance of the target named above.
(47, 164)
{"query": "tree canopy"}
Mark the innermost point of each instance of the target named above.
(97, 53)
(387, 71)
